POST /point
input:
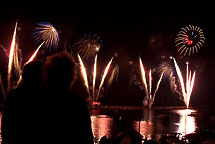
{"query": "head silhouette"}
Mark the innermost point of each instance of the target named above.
(59, 71)
(32, 73)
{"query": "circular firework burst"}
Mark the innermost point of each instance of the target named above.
(189, 39)
(87, 46)
(47, 34)
(165, 68)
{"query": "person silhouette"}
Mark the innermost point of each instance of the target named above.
(19, 117)
(65, 115)
(129, 137)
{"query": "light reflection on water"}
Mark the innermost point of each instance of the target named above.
(101, 126)
(151, 124)
(148, 122)
(186, 123)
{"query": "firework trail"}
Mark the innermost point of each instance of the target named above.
(103, 77)
(180, 77)
(143, 76)
(47, 34)
(87, 46)
(94, 75)
(190, 38)
(114, 74)
(30, 59)
(11, 57)
(35, 53)
(84, 73)
(158, 84)
(149, 97)
(150, 83)
(189, 83)
(16, 61)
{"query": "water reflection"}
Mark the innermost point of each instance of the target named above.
(101, 126)
(145, 126)
(187, 123)
(149, 123)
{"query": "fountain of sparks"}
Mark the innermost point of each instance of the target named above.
(150, 98)
(190, 79)
(84, 75)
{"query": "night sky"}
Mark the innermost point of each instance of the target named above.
(147, 31)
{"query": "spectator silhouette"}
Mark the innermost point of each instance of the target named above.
(65, 115)
(104, 140)
(19, 116)
(151, 142)
(129, 137)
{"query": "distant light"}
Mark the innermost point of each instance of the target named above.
(97, 48)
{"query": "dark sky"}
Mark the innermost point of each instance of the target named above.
(125, 30)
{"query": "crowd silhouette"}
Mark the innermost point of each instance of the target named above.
(43, 109)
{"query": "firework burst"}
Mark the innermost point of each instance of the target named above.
(47, 34)
(189, 39)
(167, 71)
(165, 68)
(87, 46)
